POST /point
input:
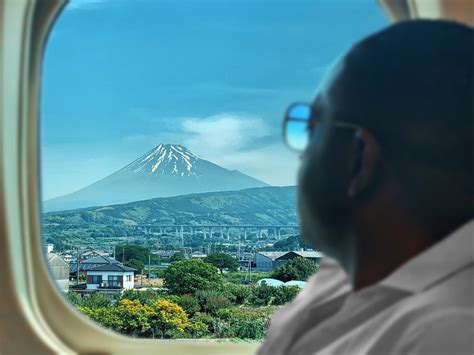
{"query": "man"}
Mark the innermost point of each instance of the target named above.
(386, 189)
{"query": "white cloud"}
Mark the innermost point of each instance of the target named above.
(223, 133)
(237, 142)
(274, 163)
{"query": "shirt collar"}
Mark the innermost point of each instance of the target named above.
(436, 263)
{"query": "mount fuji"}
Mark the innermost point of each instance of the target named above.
(166, 170)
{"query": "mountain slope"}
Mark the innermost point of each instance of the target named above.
(259, 206)
(166, 170)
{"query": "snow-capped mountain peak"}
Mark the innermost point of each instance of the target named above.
(165, 159)
(166, 170)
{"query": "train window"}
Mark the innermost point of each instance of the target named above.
(168, 198)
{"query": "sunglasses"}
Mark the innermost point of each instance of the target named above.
(301, 124)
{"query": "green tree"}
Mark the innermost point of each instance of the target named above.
(177, 257)
(297, 269)
(291, 243)
(189, 276)
(136, 264)
(223, 261)
(131, 251)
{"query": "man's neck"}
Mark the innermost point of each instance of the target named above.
(386, 239)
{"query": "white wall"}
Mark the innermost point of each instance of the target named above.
(263, 263)
(105, 276)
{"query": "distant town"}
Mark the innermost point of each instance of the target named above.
(236, 285)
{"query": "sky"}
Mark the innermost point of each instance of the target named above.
(122, 76)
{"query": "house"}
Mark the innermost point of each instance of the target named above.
(67, 257)
(48, 248)
(110, 277)
(311, 255)
(59, 270)
(92, 254)
(266, 260)
(198, 255)
(269, 261)
(165, 253)
(89, 264)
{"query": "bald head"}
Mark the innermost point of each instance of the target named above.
(411, 85)
(409, 89)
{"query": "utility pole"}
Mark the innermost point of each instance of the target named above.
(250, 266)
(78, 265)
(239, 251)
(149, 265)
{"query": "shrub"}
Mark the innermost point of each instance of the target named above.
(212, 301)
(148, 297)
(90, 301)
(169, 319)
(262, 295)
(240, 277)
(297, 269)
(133, 317)
(189, 276)
(238, 294)
(286, 294)
(106, 317)
(265, 295)
(190, 304)
(74, 298)
(244, 323)
(207, 319)
(163, 319)
(197, 329)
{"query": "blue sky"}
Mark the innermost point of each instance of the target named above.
(121, 76)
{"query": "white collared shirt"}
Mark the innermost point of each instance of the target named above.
(425, 307)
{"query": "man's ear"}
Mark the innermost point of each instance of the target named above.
(367, 156)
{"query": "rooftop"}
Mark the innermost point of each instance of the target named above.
(111, 267)
(308, 254)
(273, 254)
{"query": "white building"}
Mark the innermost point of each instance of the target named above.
(49, 248)
(59, 270)
(198, 255)
(110, 276)
(67, 257)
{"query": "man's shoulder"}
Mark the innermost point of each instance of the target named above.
(427, 322)
(428, 330)
(328, 283)
(322, 291)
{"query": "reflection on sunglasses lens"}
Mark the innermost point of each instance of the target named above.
(297, 134)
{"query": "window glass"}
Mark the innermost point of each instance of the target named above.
(162, 156)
